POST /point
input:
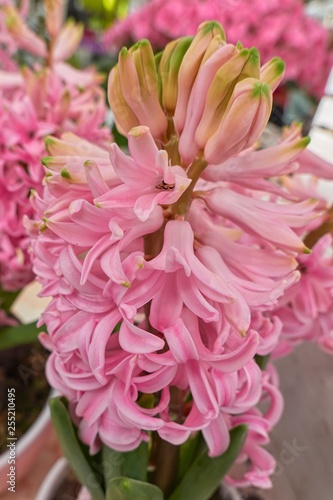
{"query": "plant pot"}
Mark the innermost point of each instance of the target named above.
(53, 480)
(27, 448)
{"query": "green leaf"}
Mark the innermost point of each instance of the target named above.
(205, 474)
(136, 463)
(124, 488)
(112, 462)
(7, 299)
(262, 361)
(132, 464)
(72, 450)
(12, 336)
(189, 451)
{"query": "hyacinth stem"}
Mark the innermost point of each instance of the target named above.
(49, 59)
(166, 455)
(166, 462)
(153, 242)
(172, 149)
(181, 207)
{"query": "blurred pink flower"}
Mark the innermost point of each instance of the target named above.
(34, 103)
(306, 309)
(260, 463)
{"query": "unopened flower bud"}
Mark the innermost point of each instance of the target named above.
(138, 81)
(124, 117)
(246, 64)
(169, 68)
(54, 14)
(244, 121)
(273, 72)
(190, 66)
(24, 37)
(68, 40)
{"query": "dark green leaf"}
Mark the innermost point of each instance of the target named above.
(206, 474)
(12, 336)
(189, 451)
(262, 361)
(124, 488)
(7, 299)
(132, 464)
(136, 463)
(112, 463)
(72, 450)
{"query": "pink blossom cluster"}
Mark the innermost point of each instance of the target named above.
(90, 258)
(166, 266)
(277, 28)
(306, 310)
(47, 99)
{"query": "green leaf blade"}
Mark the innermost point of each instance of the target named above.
(136, 462)
(206, 474)
(13, 336)
(7, 299)
(71, 448)
(124, 488)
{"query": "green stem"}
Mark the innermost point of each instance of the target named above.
(153, 244)
(166, 461)
(181, 207)
(172, 149)
(166, 456)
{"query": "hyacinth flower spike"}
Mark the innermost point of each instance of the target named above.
(190, 262)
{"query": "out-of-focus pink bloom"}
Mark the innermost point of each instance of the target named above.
(8, 46)
(6, 320)
(260, 463)
(311, 163)
(306, 308)
(65, 39)
(34, 103)
(255, 24)
(22, 35)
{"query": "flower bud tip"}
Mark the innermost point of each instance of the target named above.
(65, 174)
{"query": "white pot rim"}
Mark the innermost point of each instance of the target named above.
(26, 440)
(53, 479)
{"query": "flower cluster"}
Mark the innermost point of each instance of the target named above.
(262, 24)
(306, 309)
(50, 98)
(165, 265)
